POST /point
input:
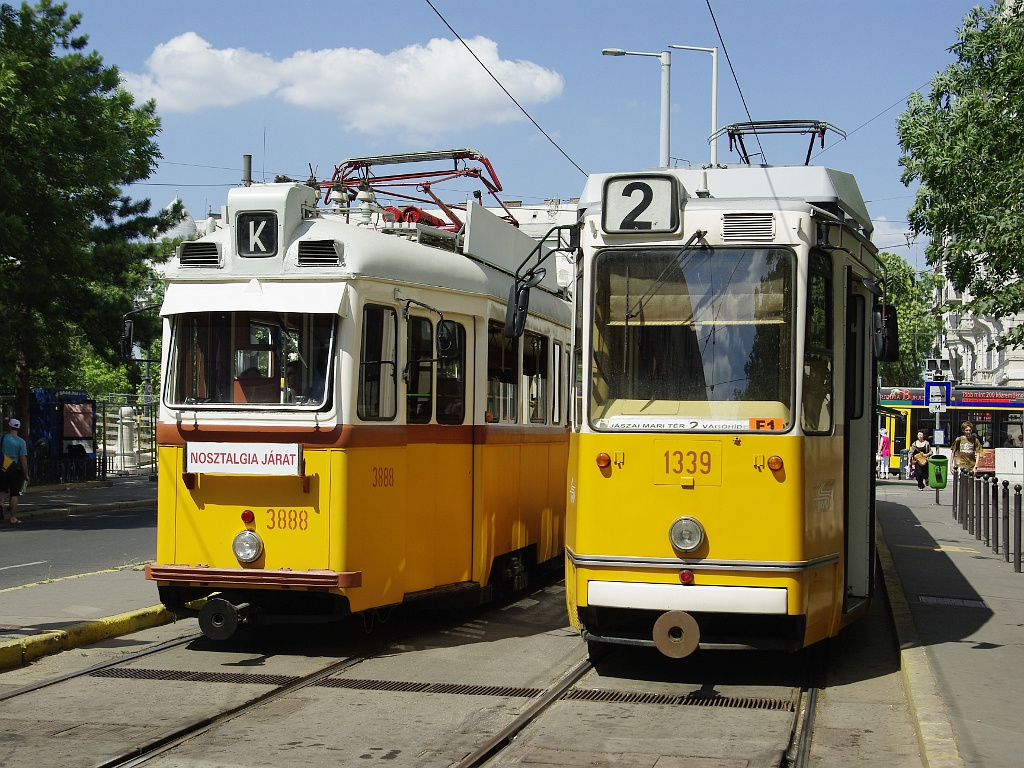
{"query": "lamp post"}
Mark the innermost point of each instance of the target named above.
(714, 94)
(666, 67)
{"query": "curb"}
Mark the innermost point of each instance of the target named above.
(45, 513)
(14, 653)
(935, 737)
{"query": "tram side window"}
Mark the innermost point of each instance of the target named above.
(502, 369)
(377, 364)
(816, 415)
(419, 371)
(451, 383)
(535, 376)
(557, 382)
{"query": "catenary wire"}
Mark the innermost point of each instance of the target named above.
(495, 79)
(732, 69)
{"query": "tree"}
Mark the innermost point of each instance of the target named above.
(919, 323)
(965, 144)
(73, 246)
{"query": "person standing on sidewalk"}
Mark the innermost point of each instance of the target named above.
(884, 452)
(966, 448)
(15, 471)
(920, 450)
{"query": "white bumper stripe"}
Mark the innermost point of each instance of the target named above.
(672, 597)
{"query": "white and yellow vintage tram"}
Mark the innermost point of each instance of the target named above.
(343, 424)
(721, 476)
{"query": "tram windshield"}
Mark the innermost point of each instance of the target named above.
(695, 339)
(251, 358)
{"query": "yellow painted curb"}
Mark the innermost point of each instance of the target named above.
(14, 653)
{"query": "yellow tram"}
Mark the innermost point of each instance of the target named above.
(343, 424)
(721, 484)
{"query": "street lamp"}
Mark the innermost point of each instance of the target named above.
(714, 94)
(666, 66)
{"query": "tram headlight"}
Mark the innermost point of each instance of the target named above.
(247, 546)
(686, 534)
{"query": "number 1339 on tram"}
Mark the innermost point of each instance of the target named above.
(720, 491)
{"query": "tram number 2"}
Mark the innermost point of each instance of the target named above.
(287, 519)
(383, 477)
(688, 462)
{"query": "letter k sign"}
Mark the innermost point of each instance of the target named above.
(256, 234)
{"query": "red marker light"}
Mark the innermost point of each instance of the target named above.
(604, 460)
(248, 516)
(686, 576)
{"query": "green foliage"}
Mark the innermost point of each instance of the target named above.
(919, 323)
(73, 247)
(965, 144)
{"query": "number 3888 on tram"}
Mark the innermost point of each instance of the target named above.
(727, 324)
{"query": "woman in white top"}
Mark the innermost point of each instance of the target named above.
(920, 450)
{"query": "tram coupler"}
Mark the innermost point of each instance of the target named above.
(220, 618)
(676, 634)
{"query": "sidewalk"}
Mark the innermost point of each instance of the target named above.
(48, 617)
(93, 496)
(959, 610)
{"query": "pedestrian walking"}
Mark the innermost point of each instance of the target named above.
(884, 452)
(15, 468)
(920, 450)
(966, 448)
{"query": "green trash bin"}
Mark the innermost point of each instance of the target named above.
(938, 471)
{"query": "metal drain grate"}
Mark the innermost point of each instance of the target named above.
(690, 699)
(960, 602)
(448, 688)
(237, 678)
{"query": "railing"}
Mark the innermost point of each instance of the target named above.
(125, 436)
(983, 508)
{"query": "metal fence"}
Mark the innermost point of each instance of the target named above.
(126, 436)
(983, 507)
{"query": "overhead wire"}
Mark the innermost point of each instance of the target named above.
(863, 125)
(732, 69)
(513, 98)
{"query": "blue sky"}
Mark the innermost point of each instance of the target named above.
(314, 83)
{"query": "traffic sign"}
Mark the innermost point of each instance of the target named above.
(938, 394)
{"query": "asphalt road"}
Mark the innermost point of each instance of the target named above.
(67, 546)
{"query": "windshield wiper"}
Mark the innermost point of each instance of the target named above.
(635, 310)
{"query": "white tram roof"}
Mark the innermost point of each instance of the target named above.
(813, 184)
(301, 256)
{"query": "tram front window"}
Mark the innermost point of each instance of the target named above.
(699, 339)
(251, 358)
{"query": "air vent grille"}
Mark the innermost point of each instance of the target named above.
(318, 253)
(199, 254)
(747, 227)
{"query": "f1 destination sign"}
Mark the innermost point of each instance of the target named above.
(243, 458)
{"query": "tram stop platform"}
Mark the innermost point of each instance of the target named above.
(958, 609)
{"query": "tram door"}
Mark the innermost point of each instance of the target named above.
(859, 448)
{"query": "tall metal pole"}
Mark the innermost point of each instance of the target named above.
(714, 93)
(666, 106)
(666, 95)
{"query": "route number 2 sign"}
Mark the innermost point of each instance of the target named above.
(640, 205)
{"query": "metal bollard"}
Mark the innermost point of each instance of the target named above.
(961, 510)
(983, 509)
(954, 493)
(1006, 520)
(969, 516)
(976, 521)
(1016, 529)
(995, 515)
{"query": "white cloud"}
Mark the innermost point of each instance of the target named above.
(426, 89)
(889, 235)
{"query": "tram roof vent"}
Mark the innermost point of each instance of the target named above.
(757, 227)
(198, 253)
(319, 253)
